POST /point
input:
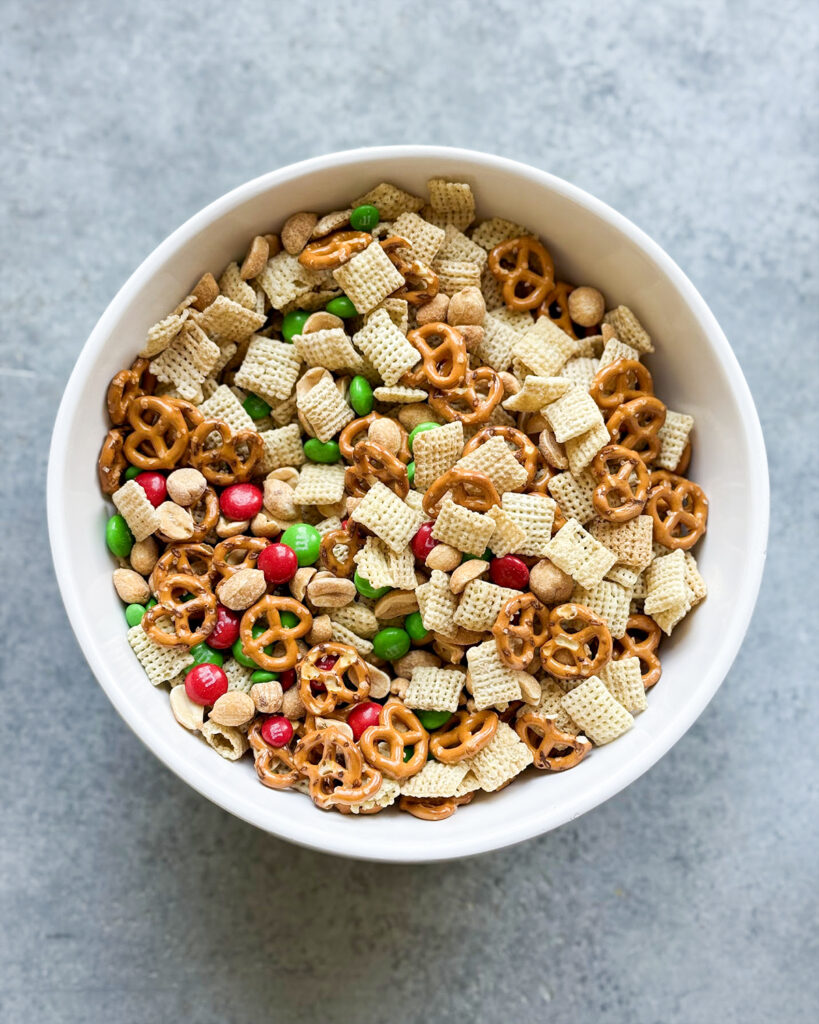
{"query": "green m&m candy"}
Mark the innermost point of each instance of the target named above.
(260, 676)
(204, 655)
(322, 451)
(364, 218)
(366, 589)
(118, 537)
(341, 306)
(360, 395)
(131, 472)
(411, 472)
(293, 323)
(433, 719)
(134, 613)
(305, 540)
(414, 625)
(239, 652)
(256, 408)
(391, 643)
(288, 620)
(420, 429)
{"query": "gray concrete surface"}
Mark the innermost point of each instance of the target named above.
(690, 897)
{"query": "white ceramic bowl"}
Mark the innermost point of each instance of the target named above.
(695, 372)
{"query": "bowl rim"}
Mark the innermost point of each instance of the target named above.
(511, 832)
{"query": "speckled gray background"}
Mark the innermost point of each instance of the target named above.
(692, 896)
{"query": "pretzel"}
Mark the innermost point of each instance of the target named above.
(125, 387)
(371, 460)
(685, 461)
(159, 437)
(211, 461)
(559, 296)
(679, 509)
(433, 808)
(548, 744)
(529, 631)
(185, 559)
(464, 736)
(523, 448)
(249, 548)
(524, 287)
(411, 732)
(346, 536)
(539, 484)
(337, 773)
(356, 431)
(620, 382)
(331, 252)
(191, 415)
(443, 365)
(330, 685)
(421, 283)
(450, 402)
(205, 514)
(458, 482)
(580, 643)
(640, 640)
(274, 765)
(201, 605)
(617, 487)
(112, 462)
(636, 425)
(270, 608)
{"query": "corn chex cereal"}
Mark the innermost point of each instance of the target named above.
(434, 689)
(282, 447)
(464, 529)
(269, 369)
(398, 311)
(373, 563)
(615, 349)
(228, 742)
(537, 393)
(534, 514)
(670, 618)
(595, 710)
(386, 347)
(480, 604)
(693, 579)
(330, 348)
(435, 452)
(161, 664)
(518, 319)
(492, 682)
(495, 347)
(368, 278)
(357, 617)
(235, 288)
(224, 405)
(343, 635)
(544, 349)
(390, 201)
(610, 601)
(577, 553)
(186, 361)
(581, 450)
(437, 603)
(435, 780)
(629, 329)
(574, 495)
(133, 505)
(551, 705)
(508, 536)
(238, 675)
(385, 515)
(453, 275)
(492, 291)
(425, 238)
(399, 395)
(325, 409)
(673, 435)
(625, 683)
(630, 542)
(162, 334)
(228, 320)
(492, 232)
(284, 280)
(581, 371)
(665, 583)
(457, 246)
(452, 202)
(500, 760)
(319, 485)
(573, 414)
(385, 797)
(627, 578)
(495, 458)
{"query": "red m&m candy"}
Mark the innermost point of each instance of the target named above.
(205, 684)
(362, 717)
(154, 486)
(277, 731)
(241, 501)
(509, 571)
(279, 563)
(422, 543)
(226, 630)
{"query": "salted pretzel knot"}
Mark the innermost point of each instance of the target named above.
(268, 609)
(555, 307)
(347, 537)
(433, 808)
(331, 674)
(616, 499)
(468, 487)
(125, 387)
(640, 640)
(333, 251)
(579, 645)
(472, 401)
(356, 431)
(224, 463)
(201, 606)
(372, 461)
(398, 729)
(679, 509)
(620, 382)
(159, 434)
(205, 514)
(444, 364)
(274, 765)
(235, 553)
(336, 771)
(184, 559)
(463, 736)
(636, 425)
(553, 750)
(525, 269)
(523, 448)
(421, 283)
(521, 627)
(112, 462)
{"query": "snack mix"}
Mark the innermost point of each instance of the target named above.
(397, 510)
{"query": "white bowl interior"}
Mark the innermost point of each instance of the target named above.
(694, 370)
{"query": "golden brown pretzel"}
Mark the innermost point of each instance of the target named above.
(336, 771)
(398, 728)
(356, 431)
(331, 252)
(269, 608)
(201, 605)
(525, 269)
(347, 537)
(421, 283)
(679, 509)
(205, 514)
(463, 736)
(468, 487)
(521, 627)
(274, 765)
(433, 808)
(466, 402)
(615, 498)
(372, 461)
(620, 382)
(580, 643)
(548, 744)
(235, 553)
(346, 681)
(641, 639)
(125, 387)
(159, 436)
(523, 448)
(685, 461)
(636, 425)
(442, 365)
(559, 297)
(112, 462)
(224, 464)
(185, 559)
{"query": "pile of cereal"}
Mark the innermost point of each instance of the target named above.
(397, 510)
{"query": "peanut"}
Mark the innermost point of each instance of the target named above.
(511, 385)
(443, 557)
(387, 433)
(231, 527)
(233, 709)
(321, 632)
(298, 585)
(529, 688)
(450, 652)
(465, 573)
(399, 687)
(175, 522)
(292, 705)
(144, 555)
(330, 592)
(404, 666)
(552, 450)
(267, 697)
(467, 307)
(185, 711)
(472, 335)
(131, 587)
(396, 604)
(287, 474)
(586, 306)
(241, 590)
(550, 584)
(434, 311)
(321, 321)
(186, 486)
(379, 681)
(278, 499)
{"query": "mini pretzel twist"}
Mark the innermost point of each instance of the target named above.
(468, 487)
(269, 609)
(525, 269)
(159, 436)
(112, 462)
(636, 425)
(125, 387)
(224, 464)
(521, 627)
(235, 553)
(523, 448)
(205, 514)
(356, 431)
(433, 808)
(421, 283)
(685, 461)
(333, 251)
(347, 537)
(463, 736)
(580, 643)
(398, 728)
(679, 509)
(442, 365)
(553, 750)
(556, 308)
(641, 639)
(169, 603)
(185, 559)
(346, 681)
(372, 461)
(274, 765)
(620, 382)
(467, 401)
(615, 498)
(336, 771)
